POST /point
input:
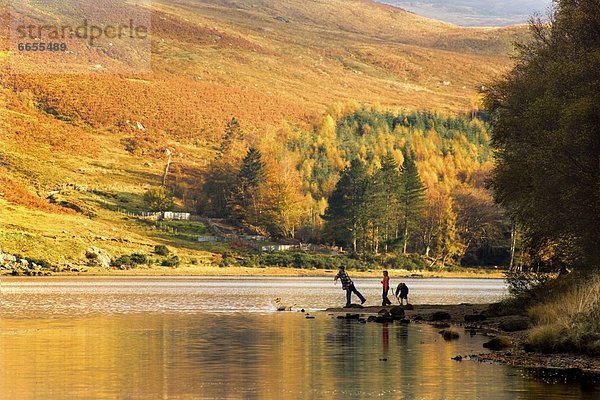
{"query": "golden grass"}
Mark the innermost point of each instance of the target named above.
(568, 321)
(563, 308)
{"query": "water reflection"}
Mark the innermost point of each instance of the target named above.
(247, 356)
(64, 340)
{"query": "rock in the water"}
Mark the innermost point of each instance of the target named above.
(409, 307)
(397, 311)
(498, 343)
(449, 334)
(383, 319)
(97, 257)
(514, 324)
(439, 316)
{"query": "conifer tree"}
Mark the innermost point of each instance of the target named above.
(412, 198)
(221, 175)
(233, 134)
(245, 200)
(345, 214)
(383, 202)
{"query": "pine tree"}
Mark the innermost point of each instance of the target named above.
(382, 202)
(233, 135)
(345, 214)
(244, 200)
(411, 198)
(221, 175)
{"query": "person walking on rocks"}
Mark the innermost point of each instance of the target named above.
(386, 288)
(402, 293)
(348, 286)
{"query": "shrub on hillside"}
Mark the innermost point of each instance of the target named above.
(161, 250)
(121, 261)
(131, 260)
(139, 258)
(170, 262)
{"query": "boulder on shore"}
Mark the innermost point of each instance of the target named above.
(498, 343)
(397, 312)
(98, 257)
(514, 324)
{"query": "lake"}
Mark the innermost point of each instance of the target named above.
(191, 338)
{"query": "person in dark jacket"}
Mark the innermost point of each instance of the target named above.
(348, 286)
(402, 293)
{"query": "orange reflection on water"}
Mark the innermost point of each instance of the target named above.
(265, 356)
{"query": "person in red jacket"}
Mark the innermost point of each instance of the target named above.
(386, 288)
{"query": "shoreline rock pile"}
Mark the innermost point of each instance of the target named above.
(21, 266)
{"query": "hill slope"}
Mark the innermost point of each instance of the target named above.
(270, 63)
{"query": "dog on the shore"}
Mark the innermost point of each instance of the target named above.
(281, 306)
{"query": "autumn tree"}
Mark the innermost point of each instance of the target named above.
(449, 247)
(433, 220)
(284, 205)
(479, 220)
(158, 199)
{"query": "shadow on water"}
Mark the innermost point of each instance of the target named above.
(587, 380)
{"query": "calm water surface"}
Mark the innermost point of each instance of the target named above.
(193, 338)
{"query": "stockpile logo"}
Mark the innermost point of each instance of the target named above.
(80, 36)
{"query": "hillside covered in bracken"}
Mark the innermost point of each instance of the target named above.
(312, 85)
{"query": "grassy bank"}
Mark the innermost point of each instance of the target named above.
(568, 320)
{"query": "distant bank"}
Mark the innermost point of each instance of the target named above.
(475, 12)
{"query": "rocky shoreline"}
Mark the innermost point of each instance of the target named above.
(507, 337)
